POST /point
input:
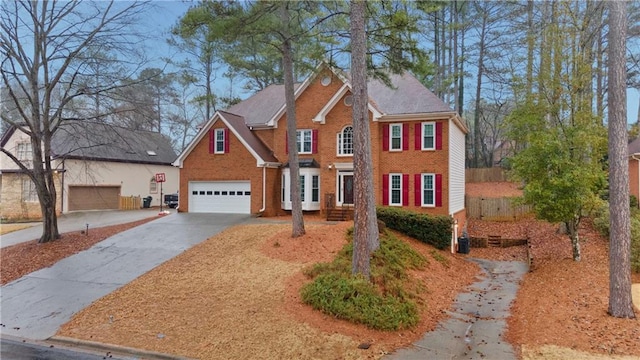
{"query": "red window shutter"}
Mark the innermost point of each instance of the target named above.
(405, 189)
(314, 141)
(418, 136)
(385, 137)
(417, 189)
(212, 140)
(438, 190)
(405, 137)
(385, 189)
(438, 136)
(226, 141)
(286, 142)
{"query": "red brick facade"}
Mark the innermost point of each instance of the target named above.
(239, 164)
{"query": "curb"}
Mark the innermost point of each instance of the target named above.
(114, 349)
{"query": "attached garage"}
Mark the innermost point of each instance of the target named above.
(231, 197)
(94, 198)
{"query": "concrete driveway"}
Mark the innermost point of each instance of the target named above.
(77, 221)
(36, 305)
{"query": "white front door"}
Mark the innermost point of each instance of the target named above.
(231, 197)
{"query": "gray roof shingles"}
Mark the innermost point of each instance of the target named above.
(99, 141)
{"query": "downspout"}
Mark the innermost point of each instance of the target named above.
(454, 241)
(264, 189)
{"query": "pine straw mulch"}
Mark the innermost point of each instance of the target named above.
(236, 296)
(561, 302)
(21, 259)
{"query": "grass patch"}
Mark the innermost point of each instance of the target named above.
(440, 258)
(384, 303)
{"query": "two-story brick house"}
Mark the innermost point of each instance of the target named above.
(237, 163)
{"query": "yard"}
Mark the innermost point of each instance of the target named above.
(236, 296)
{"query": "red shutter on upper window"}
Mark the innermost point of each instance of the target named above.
(226, 141)
(405, 189)
(438, 136)
(385, 189)
(438, 190)
(212, 140)
(417, 189)
(405, 137)
(418, 136)
(314, 141)
(385, 137)
(286, 142)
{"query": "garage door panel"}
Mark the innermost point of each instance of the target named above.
(231, 197)
(94, 198)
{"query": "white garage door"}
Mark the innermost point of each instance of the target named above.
(232, 197)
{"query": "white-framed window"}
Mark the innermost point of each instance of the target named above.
(309, 188)
(395, 189)
(219, 149)
(428, 136)
(304, 141)
(395, 137)
(315, 188)
(153, 185)
(24, 153)
(428, 187)
(29, 193)
(345, 141)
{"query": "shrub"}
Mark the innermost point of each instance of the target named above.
(384, 303)
(601, 222)
(432, 230)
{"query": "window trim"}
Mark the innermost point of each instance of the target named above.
(392, 189)
(391, 137)
(423, 188)
(153, 186)
(219, 142)
(300, 141)
(423, 136)
(340, 142)
(31, 193)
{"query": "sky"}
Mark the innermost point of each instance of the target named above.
(165, 14)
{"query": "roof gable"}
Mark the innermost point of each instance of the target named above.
(237, 124)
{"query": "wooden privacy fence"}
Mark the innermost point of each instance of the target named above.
(495, 209)
(494, 174)
(130, 202)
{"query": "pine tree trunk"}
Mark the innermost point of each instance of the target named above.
(294, 166)
(365, 235)
(572, 227)
(620, 300)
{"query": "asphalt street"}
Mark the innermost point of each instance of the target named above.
(19, 350)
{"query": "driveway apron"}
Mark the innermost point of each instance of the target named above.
(36, 305)
(478, 321)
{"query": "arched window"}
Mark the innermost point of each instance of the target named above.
(345, 141)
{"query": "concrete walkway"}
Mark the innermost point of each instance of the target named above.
(36, 305)
(477, 323)
(77, 221)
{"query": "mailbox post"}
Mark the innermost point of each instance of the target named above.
(160, 178)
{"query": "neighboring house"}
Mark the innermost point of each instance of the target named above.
(634, 168)
(94, 166)
(238, 160)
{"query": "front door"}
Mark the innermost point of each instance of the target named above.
(346, 189)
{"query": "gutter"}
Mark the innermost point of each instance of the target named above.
(636, 157)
